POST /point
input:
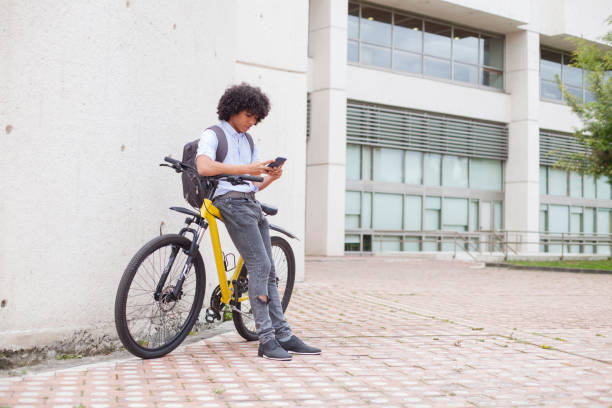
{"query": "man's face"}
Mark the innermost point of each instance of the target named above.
(242, 121)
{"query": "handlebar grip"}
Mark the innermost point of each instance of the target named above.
(171, 160)
(252, 178)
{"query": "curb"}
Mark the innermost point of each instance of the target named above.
(548, 268)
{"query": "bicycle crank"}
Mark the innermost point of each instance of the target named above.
(244, 314)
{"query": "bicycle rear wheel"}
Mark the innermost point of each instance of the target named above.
(284, 265)
(151, 325)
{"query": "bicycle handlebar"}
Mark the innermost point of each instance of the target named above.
(179, 166)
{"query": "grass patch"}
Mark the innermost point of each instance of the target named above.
(68, 356)
(601, 264)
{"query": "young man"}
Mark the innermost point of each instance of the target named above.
(241, 107)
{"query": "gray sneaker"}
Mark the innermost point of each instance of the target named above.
(297, 346)
(273, 351)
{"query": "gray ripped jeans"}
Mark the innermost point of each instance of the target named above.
(249, 230)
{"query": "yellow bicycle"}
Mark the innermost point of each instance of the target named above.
(161, 292)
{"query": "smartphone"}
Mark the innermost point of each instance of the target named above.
(277, 162)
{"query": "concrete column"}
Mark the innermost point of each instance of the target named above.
(326, 154)
(522, 194)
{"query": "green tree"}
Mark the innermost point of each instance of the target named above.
(596, 113)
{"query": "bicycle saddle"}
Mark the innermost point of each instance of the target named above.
(268, 209)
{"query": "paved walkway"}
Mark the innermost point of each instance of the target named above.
(425, 334)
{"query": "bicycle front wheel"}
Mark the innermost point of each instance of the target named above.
(150, 320)
(284, 265)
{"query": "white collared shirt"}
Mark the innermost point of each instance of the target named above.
(238, 152)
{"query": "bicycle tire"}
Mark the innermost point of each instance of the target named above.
(284, 265)
(140, 279)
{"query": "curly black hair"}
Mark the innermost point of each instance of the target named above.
(243, 97)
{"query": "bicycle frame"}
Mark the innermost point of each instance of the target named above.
(210, 213)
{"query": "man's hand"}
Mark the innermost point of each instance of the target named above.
(255, 169)
(275, 172)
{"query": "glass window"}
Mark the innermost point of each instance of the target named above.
(398, 41)
(379, 56)
(455, 214)
(376, 26)
(352, 210)
(353, 51)
(437, 40)
(603, 221)
(412, 213)
(543, 218)
(407, 61)
(474, 216)
(557, 182)
(543, 180)
(366, 214)
(575, 226)
(351, 242)
(353, 162)
(576, 92)
(353, 21)
(490, 77)
(407, 33)
(465, 46)
(414, 167)
(589, 186)
(550, 90)
(388, 211)
(572, 76)
(412, 244)
(575, 219)
(433, 163)
(436, 68)
(558, 218)
(388, 165)
(455, 171)
(603, 188)
(387, 243)
(366, 155)
(432, 213)
(603, 227)
(550, 65)
(486, 174)
(575, 184)
(466, 73)
(498, 215)
(492, 51)
(589, 221)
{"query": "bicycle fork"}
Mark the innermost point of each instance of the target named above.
(195, 244)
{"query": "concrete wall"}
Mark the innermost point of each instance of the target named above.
(93, 95)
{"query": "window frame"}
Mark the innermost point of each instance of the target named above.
(480, 67)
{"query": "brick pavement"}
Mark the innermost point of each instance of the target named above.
(426, 334)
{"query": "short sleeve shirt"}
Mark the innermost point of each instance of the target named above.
(238, 152)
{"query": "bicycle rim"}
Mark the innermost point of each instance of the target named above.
(153, 327)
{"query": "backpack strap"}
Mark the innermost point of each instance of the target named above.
(251, 143)
(222, 143)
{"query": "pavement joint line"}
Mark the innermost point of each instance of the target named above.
(494, 330)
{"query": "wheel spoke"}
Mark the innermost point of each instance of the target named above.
(155, 324)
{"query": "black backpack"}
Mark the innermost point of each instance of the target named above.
(195, 187)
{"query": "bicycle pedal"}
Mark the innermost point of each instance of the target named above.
(211, 315)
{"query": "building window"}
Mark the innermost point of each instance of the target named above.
(559, 182)
(388, 39)
(556, 64)
(382, 213)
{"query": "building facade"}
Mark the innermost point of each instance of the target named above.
(434, 126)
(405, 122)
